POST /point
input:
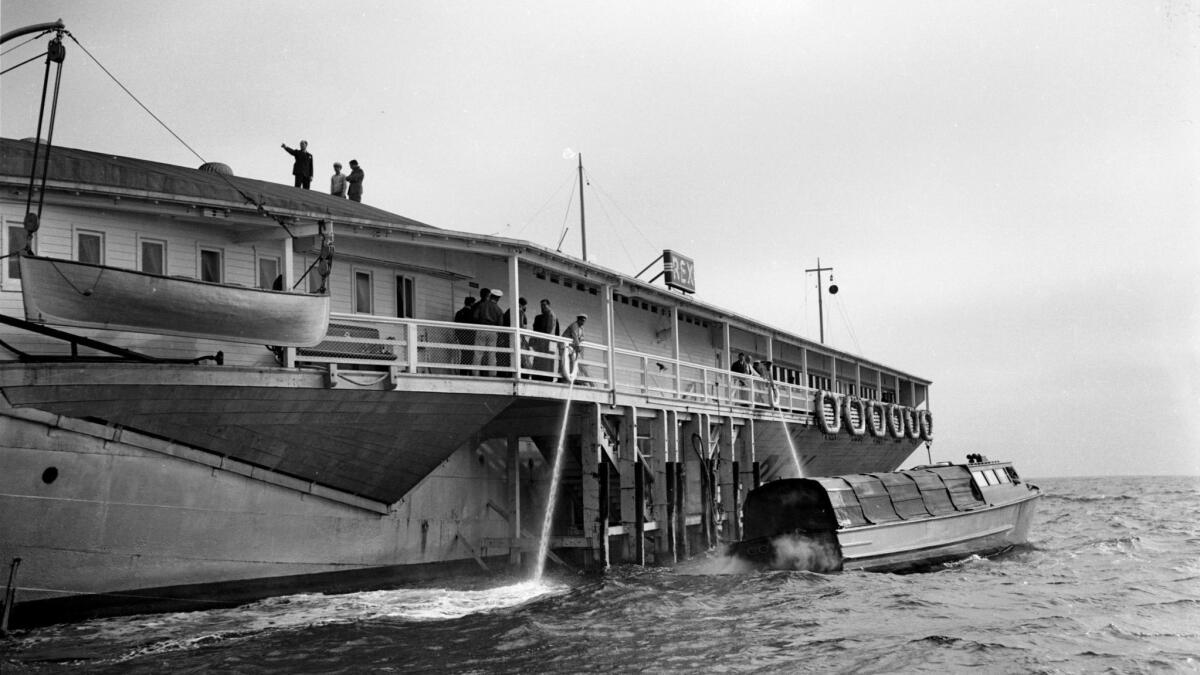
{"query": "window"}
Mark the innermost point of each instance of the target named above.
(362, 293)
(153, 256)
(268, 272)
(15, 238)
(314, 277)
(404, 297)
(89, 247)
(212, 265)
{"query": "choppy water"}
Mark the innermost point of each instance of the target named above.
(1109, 583)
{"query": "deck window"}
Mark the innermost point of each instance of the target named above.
(15, 239)
(153, 258)
(362, 293)
(212, 265)
(268, 272)
(404, 297)
(89, 247)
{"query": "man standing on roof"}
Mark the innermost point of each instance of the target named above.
(355, 179)
(337, 183)
(302, 168)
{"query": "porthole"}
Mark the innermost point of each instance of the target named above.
(49, 475)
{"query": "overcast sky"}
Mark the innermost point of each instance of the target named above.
(1008, 192)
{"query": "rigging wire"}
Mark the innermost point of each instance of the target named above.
(262, 209)
(30, 60)
(620, 240)
(617, 206)
(135, 98)
(570, 181)
(849, 328)
(35, 37)
(570, 200)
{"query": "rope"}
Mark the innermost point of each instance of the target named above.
(22, 63)
(72, 285)
(260, 207)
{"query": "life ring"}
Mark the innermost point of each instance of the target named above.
(828, 427)
(926, 424)
(568, 365)
(876, 418)
(912, 427)
(895, 421)
(849, 403)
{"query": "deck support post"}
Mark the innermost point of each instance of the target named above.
(659, 469)
(632, 514)
(514, 499)
(594, 463)
(726, 478)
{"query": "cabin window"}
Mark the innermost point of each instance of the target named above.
(153, 258)
(990, 474)
(212, 265)
(362, 293)
(268, 274)
(89, 247)
(15, 238)
(404, 297)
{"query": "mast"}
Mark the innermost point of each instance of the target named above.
(582, 224)
(820, 303)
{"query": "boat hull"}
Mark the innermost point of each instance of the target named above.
(69, 293)
(903, 521)
(914, 545)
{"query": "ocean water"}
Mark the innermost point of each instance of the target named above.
(1110, 582)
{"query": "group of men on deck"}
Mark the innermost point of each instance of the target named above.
(493, 349)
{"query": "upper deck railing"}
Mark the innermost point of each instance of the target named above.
(420, 347)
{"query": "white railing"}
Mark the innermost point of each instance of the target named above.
(417, 347)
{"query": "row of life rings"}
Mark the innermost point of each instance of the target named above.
(863, 416)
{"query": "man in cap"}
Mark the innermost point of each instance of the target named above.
(574, 333)
(487, 313)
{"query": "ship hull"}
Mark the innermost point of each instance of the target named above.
(107, 525)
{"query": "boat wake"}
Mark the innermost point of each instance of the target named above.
(121, 639)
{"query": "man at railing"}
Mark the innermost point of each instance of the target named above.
(466, 356)
(573, 359)
(545, 322)
(487, 313)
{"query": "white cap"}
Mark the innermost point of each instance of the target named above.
(497, 293)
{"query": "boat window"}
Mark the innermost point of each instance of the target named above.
(153, 256)
(404, 297)
(89, 247)
(362, 293)
(15, 239)
(268, 272)
(212, 265)
(991, 476)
